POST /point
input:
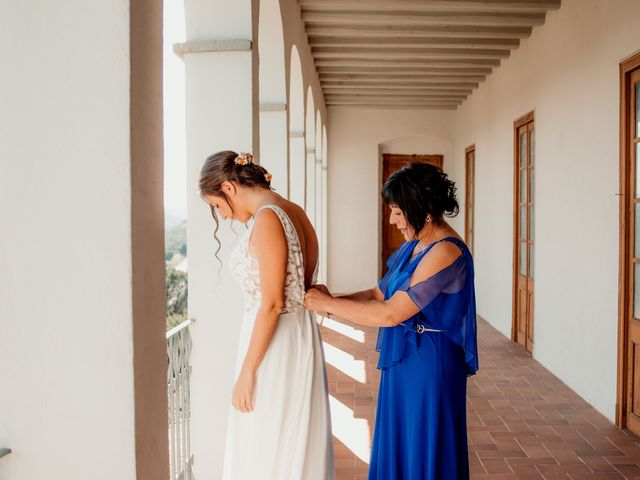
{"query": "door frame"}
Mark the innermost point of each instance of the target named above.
(627, 66)
(470, 222)
(381, 207)
(529, 117)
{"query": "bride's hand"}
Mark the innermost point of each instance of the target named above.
(242, 398)
(321, 287)
(316, 300)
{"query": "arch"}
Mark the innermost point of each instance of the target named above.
(273, 86)
(297, 176)
(273, 94)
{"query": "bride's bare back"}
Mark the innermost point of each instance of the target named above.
(306, 234)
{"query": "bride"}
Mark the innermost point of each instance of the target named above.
(279, 426)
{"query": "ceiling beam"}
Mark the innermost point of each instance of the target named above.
(408, 63)
(432, 88)
(392, 101)
(410, 106)
(401, 83)
(512, 6)
(395, 92)
(336, 18)
(423, 31)
(414, 42)
(406, 99)
(416, 76)
(460, 72)
(403, 53)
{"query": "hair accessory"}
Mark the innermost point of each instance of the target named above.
(243, 159)
(268, 177)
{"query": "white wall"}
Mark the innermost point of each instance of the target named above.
(356, 138)
(66, 395)
(567, 71)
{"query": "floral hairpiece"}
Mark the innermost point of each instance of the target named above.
(243, 159)
(268, 177)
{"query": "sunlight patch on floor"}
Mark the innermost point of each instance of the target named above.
(345, 362)
(346, 330)
(354, 433)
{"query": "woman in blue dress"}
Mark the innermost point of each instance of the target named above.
(425, 306)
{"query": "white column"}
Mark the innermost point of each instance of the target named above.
(273, 145)
(310, 193)
(297, 161)
(324, 229)
(221, 112)
(73, 123)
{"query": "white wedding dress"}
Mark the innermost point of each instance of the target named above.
(288, 434)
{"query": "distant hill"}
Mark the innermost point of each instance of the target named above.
(172, 220)
(175, 239)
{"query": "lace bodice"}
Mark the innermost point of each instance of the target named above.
(246, 270)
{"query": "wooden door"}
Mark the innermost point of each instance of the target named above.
(631, 252)
(391, 236)
(524, 231)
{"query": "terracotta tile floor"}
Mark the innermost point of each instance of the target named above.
(523, 422)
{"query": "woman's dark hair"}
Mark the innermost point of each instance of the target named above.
(421, 189)
(221, 167)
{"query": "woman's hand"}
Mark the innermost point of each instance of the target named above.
(316, 300)
(242, 398)
(322, 288)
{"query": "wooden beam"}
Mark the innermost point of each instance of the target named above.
(408, 63)
(394, 92)
(397, 105)
(403, 53)
(417, 76)
(393, 100)
(424, 31)
(411, 106)
(511, 6)
(415, 42)
(442, 90)
(468, 71)
(400, 83)
(334, 18)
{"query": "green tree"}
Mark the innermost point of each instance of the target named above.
(177, 288)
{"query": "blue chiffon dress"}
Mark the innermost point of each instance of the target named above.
(421, 427)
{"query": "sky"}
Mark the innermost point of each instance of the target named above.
(175, 171)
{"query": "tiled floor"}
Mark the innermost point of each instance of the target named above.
(523, 422)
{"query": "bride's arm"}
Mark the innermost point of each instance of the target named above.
(270, 247)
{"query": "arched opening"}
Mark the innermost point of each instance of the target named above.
(273, 95)
(296, 131)
(317, 168)
(310, 140)
(324, 208)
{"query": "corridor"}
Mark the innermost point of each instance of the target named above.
(524, 423)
